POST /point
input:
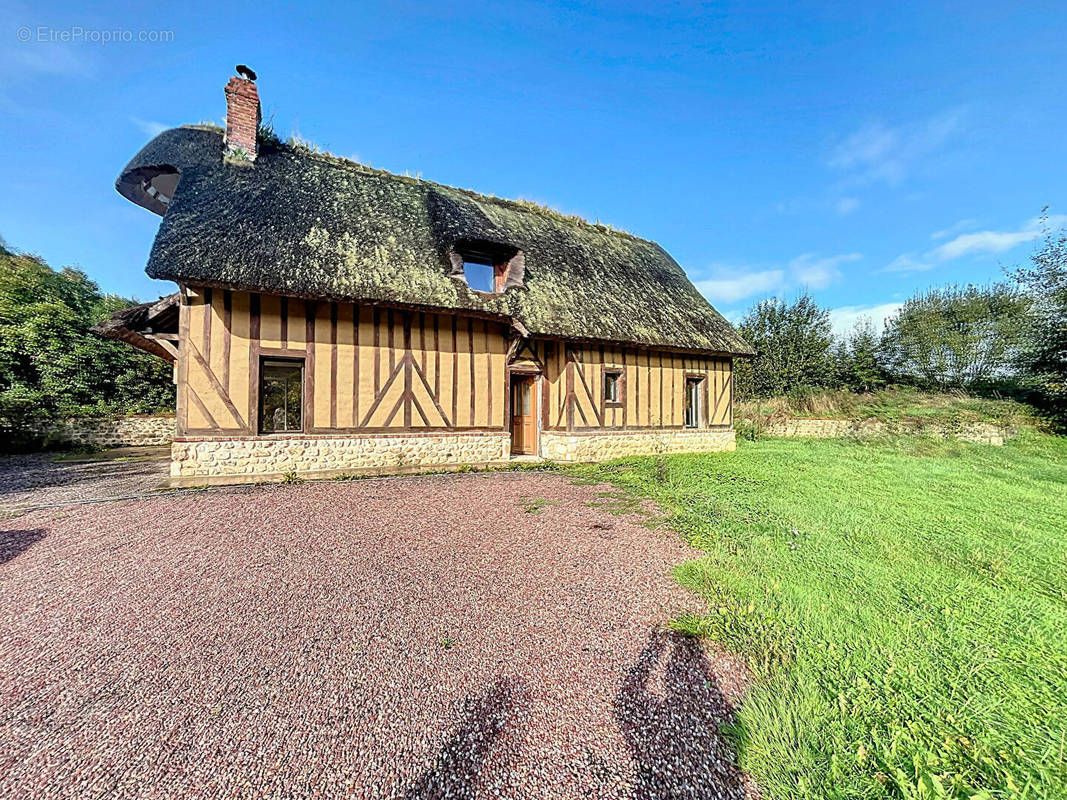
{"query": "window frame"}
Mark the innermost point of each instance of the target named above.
(482, 259)
(620, 397)
(296, 361)
(701, 383)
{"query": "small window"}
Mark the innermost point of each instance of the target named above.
(482, 274)
(694, 402)
(613, 388)
(281, 396)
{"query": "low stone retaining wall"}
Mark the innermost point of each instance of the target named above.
(137, 430)
(265, 455)
(617, 444)
(196, 457)
(980, 432)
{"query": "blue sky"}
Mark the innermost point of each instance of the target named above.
(860, 150)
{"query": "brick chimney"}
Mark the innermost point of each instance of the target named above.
(242, 114)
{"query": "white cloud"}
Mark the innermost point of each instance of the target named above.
(969, 244)
(151, 129)
(844, 318)
(984, 242)
(879, 152)
(910, 262)
(872, 144)
(728, 284)
(729, 287)
(959, 227)
(813, 272)
(846, 205)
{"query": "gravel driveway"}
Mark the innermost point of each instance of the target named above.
(449, 636)
(40, 479)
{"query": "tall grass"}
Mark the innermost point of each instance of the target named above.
(896, 405)
(903, 604)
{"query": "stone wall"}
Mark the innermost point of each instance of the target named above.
(244, 456)
(138, 430)
(302, 454)
(981, 432)
(617, 444)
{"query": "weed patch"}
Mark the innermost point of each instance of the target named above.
(535, 505)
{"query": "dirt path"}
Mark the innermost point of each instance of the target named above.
(446, 636)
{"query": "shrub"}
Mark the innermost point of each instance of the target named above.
(1043, 359)
(957, 337)
(792, 342)
(52, 365)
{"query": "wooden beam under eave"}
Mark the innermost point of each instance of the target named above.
(156, 348)
(166, 341)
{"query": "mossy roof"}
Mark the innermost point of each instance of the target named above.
(305, 224)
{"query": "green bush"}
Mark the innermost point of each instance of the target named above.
(957, 337)
(792, 342)
(52, 365)
(1043, 360)
(858, 359)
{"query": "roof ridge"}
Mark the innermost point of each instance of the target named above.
(519, 204)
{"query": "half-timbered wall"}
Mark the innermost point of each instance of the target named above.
(372, 369)
(365, 369)
(652, 389)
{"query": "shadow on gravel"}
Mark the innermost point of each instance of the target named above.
(35, 479)
(466, 753)
(670, 708)
(15, 543)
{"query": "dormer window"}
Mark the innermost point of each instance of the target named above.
(482, 274)
(486, 267)
(154, 193)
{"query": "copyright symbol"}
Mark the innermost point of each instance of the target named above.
(24, 34)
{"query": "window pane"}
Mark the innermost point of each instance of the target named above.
(480, 277)
(692, 402)
(611, 388)
(282, 393)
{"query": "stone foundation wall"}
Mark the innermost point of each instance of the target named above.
(980, 432)
(140, 430)
(263, 455)
(617, 444)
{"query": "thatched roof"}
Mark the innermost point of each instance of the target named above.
(134, 324)
(305, 224)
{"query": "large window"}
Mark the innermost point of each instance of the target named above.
(694, 402)
(481, 273)
(281, 396)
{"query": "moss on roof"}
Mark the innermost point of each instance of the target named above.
(308, 224)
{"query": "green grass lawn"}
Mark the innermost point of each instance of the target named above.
(903, 604)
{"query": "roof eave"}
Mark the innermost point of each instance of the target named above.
(137, 325)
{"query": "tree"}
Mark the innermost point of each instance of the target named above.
(792, 342)
(957, 337)
(857, 358)
(51, 364)
(1043, 360)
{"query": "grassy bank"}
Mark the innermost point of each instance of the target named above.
(903, 405)
(902, 602)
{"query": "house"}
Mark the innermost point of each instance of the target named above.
(334, 317)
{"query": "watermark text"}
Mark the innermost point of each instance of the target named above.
(76, 34)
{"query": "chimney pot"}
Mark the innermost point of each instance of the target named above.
(242, 114)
